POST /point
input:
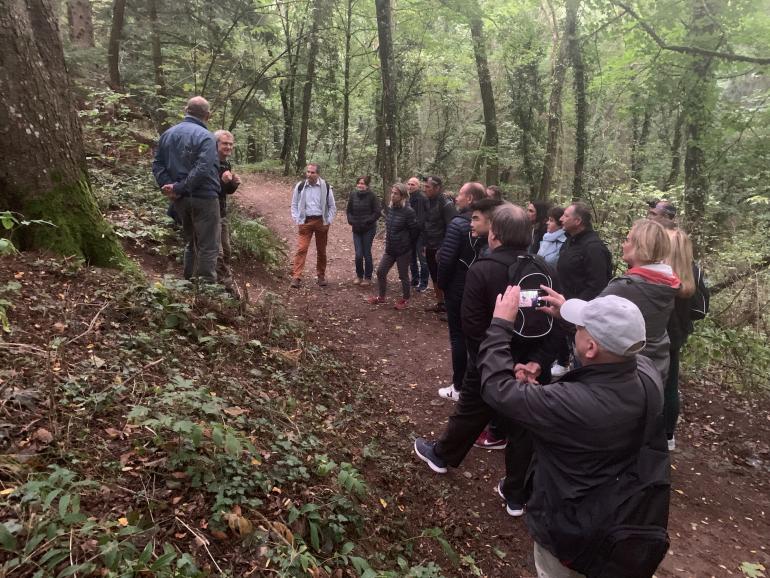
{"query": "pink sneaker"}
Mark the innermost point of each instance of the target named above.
(401, 304)
(375, 300)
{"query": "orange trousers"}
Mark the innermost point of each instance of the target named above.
(313, 225)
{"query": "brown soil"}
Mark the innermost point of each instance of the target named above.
(719, 515)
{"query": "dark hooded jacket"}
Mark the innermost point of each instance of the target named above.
(458, 252)
(400, 230)
(438, 214)
(585, 266)
(363, 210)
(652, 289)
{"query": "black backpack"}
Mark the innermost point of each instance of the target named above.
(301, 185)
(631, 538)
(699, 302)
(530, 272)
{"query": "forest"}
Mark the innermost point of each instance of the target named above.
(121, 455)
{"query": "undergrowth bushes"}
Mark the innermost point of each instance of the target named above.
(187, 437)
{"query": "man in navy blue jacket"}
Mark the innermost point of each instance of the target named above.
(458, 252)
(186, 167)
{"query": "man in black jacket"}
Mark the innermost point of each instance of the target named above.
(419, 266)
(589, 430)
(585, 263)
(439, 213)
(457, 253)
(509, 237)
(229, 182)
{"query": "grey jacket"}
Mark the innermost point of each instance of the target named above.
(656, 302)
(299, 199)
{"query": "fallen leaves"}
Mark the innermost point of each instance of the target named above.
(43, 436)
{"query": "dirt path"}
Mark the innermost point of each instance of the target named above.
(719, 515)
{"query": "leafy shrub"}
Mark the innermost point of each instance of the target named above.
(251, 238)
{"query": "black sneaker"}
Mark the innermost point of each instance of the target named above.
(415, 282)
(512, 508)
(426, 452)
(421, 288)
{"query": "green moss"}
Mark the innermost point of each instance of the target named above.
(79, 229)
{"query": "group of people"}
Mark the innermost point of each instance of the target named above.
(575, 406)
(193, 170)
(573, 372)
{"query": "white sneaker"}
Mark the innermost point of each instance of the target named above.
(558, 370)
(672, 444)
(449, 393)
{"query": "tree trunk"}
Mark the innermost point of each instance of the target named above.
(307, 89)
(526, 107)
(554, 120)
(581, 105)
(157, 66)
(638, 144)
(346, 88)
(698, 109)
(43, 173)
(113, 49)
(387, 74)
(676, 153)
(487, 98)
(81, 23)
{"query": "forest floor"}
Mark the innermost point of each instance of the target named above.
(355, 383)
(720, 510)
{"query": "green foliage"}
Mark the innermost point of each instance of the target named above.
(751, 570)
(49, 520)
(252, 239)
(9, 223)
(6, 291)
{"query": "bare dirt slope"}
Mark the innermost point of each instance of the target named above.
(719, 514)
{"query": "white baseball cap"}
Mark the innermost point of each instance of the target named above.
(615, 323)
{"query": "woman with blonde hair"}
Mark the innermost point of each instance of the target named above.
(401, 231)
(651, 284)
(680, 324)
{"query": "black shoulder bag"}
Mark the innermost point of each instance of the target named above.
(634, 541)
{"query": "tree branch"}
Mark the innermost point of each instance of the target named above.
(738, 275)
(688, 49)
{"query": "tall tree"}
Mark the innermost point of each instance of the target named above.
(157, 65)
(581, 105)
(487, 95)
(558, 74)
(387, 74)
(640, 132)
(43, 173)
(113, 49)
(698, 109)
(81, 23)
(307, 89)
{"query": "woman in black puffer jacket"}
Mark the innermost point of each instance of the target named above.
(363, 211)
(401, 231)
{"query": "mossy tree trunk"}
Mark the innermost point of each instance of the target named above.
(43, 174)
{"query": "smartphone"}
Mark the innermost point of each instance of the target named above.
(531, 298)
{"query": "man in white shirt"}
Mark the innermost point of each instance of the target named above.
(313, 209)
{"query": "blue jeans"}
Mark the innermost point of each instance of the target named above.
(419, 265)
(362, 243)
